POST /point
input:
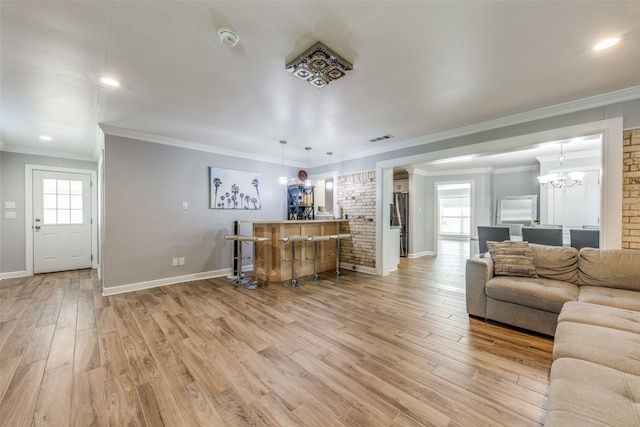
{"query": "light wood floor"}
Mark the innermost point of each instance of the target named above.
(358, 351)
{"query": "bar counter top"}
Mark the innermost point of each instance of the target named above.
(301, 221)
(278, 254)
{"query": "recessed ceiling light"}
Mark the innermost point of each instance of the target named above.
(45, 138)
(109, 81)
(607, 43)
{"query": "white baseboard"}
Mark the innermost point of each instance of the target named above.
(367, 270)
(120, 289)
(421, 254)
(12, 274)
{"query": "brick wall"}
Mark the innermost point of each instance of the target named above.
(631, 190)
(357, 200)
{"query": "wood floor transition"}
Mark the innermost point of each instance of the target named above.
(358, 351)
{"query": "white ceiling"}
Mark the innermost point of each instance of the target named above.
(420, 68)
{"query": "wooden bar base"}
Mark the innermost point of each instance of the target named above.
(275, 270)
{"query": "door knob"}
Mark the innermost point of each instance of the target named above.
(37, 227)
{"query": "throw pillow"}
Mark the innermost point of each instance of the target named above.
(512, 259)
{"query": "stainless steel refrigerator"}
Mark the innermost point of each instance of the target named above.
(400, 217)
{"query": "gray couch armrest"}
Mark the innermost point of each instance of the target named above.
(477, 274)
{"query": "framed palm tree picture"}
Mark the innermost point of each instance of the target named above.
(232, 189)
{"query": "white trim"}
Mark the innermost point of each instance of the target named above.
(12, 274)
(28, 210)
(175, 142)
(517, 169)
(602, 100)
(46, 153)
(596, 101)
(359, 268)
(457, 172)
(421, 254)
(120, 289)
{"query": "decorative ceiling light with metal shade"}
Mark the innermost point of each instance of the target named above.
(319, 66)
(560, 180)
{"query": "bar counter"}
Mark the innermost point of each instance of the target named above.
(275, 269)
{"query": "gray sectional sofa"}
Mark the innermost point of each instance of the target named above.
(590, 302)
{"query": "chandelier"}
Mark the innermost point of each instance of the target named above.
(560, 180)
(319, 66)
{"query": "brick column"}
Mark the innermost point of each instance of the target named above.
(631, 190)
(357, 200)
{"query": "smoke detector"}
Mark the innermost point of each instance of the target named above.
(228, 37)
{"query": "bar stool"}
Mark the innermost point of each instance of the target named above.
(254, 283)
(293, 239)
(316, 240)
(337, 238)
(239, 279)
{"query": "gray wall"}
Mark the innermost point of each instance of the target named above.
(12, 171)
(144, 224)
(519, 183)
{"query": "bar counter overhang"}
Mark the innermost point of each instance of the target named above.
(276, 268)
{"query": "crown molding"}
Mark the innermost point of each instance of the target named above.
(517, 169)
(46, 153)
(595, 101)
(454, 172)
(180, 143)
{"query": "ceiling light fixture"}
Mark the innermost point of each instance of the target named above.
(559, 180)
(319, 66)
(45, 138)
(283, 179)
(607, 43)
(329, 183)
(228, 36)
(307, 181)
(109, 81)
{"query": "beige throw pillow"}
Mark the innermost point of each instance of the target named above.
(512, 259)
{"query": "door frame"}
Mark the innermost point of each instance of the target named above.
(28, 211)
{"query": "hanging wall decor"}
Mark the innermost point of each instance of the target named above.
(232, 189)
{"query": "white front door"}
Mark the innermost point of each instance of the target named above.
(61, 221)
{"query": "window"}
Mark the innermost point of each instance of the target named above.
(455, 209)
(62, 201)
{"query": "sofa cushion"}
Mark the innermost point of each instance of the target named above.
(543, 294)
(619, 298)
(614, 348)
(584, 394)
(512, 259)
(555, 262)
(601, 315)
(611, 268)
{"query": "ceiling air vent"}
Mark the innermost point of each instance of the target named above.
(380, 138)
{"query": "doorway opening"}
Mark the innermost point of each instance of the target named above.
(453, 216)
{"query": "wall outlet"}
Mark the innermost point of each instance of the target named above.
(185, 205)
(174, 262)
(181, 260)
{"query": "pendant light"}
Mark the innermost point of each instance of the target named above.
(329, 183)
(307, 182)
(283, 179)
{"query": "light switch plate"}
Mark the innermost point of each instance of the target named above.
(185, 205)
(9, 205)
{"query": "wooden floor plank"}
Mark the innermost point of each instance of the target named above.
(360, 350)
